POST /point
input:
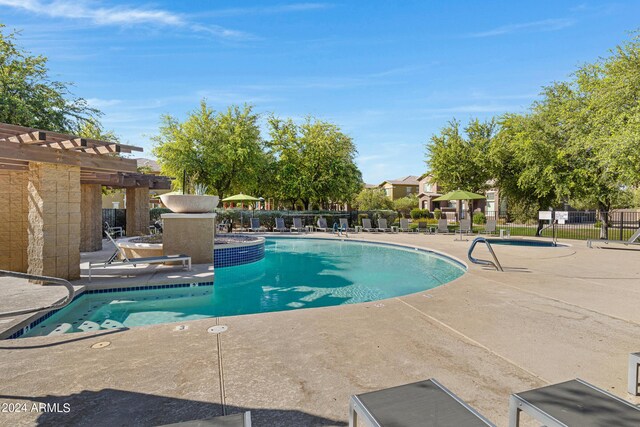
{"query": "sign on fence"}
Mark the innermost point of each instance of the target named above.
(545, 215)
(562, 216)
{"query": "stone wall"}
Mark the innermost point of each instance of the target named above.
(54, 220)
(90, 217)
(138, 211)
(14, 210)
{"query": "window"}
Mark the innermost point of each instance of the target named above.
(426, 188)
(409, 190)
(491, 196)
(387, 191)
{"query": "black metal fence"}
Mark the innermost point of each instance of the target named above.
(115, 217)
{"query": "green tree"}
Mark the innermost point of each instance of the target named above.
(404, 205)
(29, 97)
(370, 199)
(458, 161)
(314, 162)
(222, 150)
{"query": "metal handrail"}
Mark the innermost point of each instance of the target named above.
(46, 280)
(495, 263)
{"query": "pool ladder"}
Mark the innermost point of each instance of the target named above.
(45, 280)
(495, 263)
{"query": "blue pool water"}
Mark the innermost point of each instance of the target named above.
(522, 242)
(295, 273)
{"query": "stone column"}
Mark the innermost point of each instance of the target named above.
(189, 234)
(14, 213)
(91, 217)
(54, 220)
(138, 211)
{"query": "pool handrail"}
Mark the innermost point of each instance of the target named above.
(45, 280)
(495, 263)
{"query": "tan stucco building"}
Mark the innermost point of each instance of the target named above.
(401, 187)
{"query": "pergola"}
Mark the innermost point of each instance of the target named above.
(51, 197)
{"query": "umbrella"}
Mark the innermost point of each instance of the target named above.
(240, 198)
(459, 195)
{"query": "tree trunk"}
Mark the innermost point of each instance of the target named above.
(540, 227)
(603, 217)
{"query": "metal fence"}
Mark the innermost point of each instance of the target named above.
(115, 217)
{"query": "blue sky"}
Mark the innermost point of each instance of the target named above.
(389, 73)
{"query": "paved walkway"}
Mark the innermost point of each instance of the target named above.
(555, 314)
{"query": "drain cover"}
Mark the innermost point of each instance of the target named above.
(217, 329)
(181, 328)
(101, 344)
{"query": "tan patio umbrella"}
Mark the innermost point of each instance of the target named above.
(459, 195)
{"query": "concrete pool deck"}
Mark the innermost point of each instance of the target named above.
(555, 314)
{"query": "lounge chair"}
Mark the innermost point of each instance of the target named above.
(255, 225)
(631, 241)
(573, 403)
(366, 225)
(340, 228)
(423, 226)
(404, 225)
(382, 225)
(297, 225)
(124, 260)
(234, 420)
(280, 225)
(490, 227)
(425, 403)
(443, 226)
(634, 364)
(344, 225)
(113, 230)
(321, 224)
(464, 229)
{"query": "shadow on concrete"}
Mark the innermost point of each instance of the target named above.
(111, 407)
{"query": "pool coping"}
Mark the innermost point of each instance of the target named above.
(18, 329)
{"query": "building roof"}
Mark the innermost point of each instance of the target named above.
(407, 180)
(149, 163)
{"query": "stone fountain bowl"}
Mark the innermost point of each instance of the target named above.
(189, 203)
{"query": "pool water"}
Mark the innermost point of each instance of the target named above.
(295, 273)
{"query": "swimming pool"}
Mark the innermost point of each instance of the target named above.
(295, 273)
(524, 242)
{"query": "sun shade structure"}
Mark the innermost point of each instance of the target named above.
(52, 183)
(241, 198)
(459, 195)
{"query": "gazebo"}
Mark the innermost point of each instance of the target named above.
(51, 198)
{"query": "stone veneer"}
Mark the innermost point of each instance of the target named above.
(91, 217)
(138, 211)
(54, 220)
(14, 210)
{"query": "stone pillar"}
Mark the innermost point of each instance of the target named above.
(138, 211)
(14, 213)
(90, 217)
(189, 234)
(54, 220)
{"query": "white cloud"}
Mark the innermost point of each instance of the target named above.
(124, 16)
(535, 26)
(102, 103)
(266, 10)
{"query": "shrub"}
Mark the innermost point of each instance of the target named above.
(437, 213)
(479, 218)
(154, 214)
(426, 213)
(416, 213)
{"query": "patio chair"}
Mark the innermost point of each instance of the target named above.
(382, 225)
(573, 403)
(340, 228)
(490, 227)
(234, 420)
(425, 403)
(280, 225)
(124, 260)
(113, 230)
(255, 225)
(344, 225)
(297, 225)
(443, 226)
(465, 228)
(423, 226)
(366, 225)
(631, 241)
(404, 225)
(321, 224)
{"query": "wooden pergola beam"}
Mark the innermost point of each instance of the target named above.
(31, 153)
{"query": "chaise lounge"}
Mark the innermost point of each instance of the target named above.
(425, 404)
(124, 260)
(631, 241)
